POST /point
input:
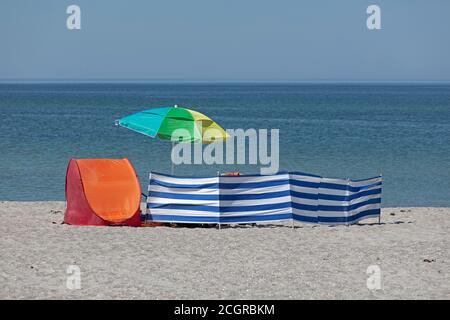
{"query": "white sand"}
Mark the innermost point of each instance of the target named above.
(307, 262)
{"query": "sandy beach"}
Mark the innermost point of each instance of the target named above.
(411, 247)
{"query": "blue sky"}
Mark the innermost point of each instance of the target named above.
(225, 40)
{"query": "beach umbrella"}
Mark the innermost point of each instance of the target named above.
(165, 123)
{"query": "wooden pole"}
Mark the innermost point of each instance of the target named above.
(218, 175)
(379, 216)
(348, 184)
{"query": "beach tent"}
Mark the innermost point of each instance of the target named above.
(102, 192)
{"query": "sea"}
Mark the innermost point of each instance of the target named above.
(336, 130)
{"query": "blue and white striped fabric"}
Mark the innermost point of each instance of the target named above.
(334, 201)
(254, 198)
(258, 198)
(304, 196)
(183, 199)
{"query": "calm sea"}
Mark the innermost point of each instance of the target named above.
(334, 130)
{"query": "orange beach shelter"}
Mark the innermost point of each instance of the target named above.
(102, 192)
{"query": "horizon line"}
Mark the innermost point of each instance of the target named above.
(218, 81)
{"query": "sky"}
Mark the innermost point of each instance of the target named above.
(225, 40)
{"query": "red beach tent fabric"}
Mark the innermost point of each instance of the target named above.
(102, 192)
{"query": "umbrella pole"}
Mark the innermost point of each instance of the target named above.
(171, 161)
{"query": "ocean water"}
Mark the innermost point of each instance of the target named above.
(334, 130)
